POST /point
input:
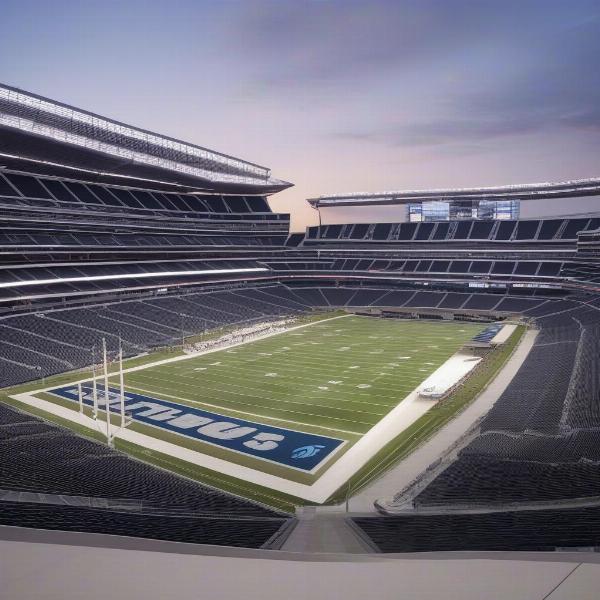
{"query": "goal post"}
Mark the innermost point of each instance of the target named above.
(106, 393)
(94, 385)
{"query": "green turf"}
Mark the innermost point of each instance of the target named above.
(342, 375)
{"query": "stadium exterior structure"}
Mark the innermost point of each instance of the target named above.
(55, 136)
(568, 198)
(530, 191)
(109, 231)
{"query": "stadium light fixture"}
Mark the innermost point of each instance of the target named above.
(13, 284)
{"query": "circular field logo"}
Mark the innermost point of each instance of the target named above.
(307, 451)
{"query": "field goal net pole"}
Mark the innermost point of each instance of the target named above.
(106, 398)
(182, 331)
(80, 397)
(94, 387)
(121, 384)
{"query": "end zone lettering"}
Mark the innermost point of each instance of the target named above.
(275, 444)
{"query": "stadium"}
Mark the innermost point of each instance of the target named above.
(183, 375)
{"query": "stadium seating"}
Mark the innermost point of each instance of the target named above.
(36, 345)
(528, 530)
(538, 230)
(41, 459)
(88, 260)
(539, 442)
(78, 194)
(544, 270)
(477, 480)
(36, 457)
(215, 530)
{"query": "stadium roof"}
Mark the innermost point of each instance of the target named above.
(527, 191)
(58, 136)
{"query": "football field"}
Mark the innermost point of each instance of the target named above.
(341, 375)
(296, 413)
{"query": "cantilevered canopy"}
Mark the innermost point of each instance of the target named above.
(33, 128)
(528, 191)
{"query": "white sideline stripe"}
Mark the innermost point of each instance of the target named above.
(11, 284)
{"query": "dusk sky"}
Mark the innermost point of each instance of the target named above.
(333, 95)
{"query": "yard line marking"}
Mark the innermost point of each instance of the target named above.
(222, 386)
(225, 348)
(249, 413)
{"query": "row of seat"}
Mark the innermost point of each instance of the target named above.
(36, 236)
(41, 458)
(70, 192)
(42, 344)
(219, 531)
(532, 530)
(531, 268)
(540, 230)
(541, 439)
(363, 296)
(491, 480)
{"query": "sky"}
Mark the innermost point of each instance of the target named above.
(332, 95)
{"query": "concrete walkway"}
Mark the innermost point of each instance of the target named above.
(323, 533)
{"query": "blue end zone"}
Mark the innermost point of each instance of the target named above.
(304, 451)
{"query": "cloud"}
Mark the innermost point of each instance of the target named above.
(319, 41)
(587, 120)
(445, 131)
(548, 81)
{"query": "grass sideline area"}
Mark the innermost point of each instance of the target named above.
(395, 355)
